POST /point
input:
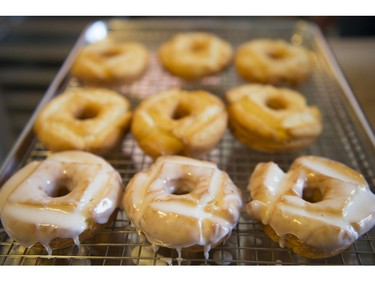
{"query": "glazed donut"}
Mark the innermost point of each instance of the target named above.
(93, 120)
(183, 204)
(272, 119)
(318, 209)
(64, 199)
(110, 63)
(180, 122)
(194, 55)
(273, 62)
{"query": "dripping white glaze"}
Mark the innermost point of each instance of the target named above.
(40, 216)
(179, 255)
(150, 203)
(147, 256)
(345, 212)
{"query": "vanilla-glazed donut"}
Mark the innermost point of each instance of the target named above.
(110, 62)
(89, 119)
(175, 121)
(194, 55)
(272, 119)
(183, 204)
(64, 199)
(272, 61)
(318, 208)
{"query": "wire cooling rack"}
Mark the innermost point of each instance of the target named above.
(345, 138)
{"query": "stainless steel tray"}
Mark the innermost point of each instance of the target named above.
(347, 138)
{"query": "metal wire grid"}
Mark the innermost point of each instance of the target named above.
(119, 244)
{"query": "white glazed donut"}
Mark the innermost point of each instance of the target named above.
(59, 201)
(183, 203)
(318, 209)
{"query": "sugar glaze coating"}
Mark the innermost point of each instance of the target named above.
(183, 203)
(32, 212)
(319, 208)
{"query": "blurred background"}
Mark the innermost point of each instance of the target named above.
(32, 49)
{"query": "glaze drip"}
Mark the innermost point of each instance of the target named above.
(345, 211)
(203, 216)
(28, 198)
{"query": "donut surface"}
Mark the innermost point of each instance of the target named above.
(64, 199)
(318, 208)
(271, 61)
(180, 122)
(89, 119)
(110, 63)
(272, 119)
(183, 203)
(194, 55)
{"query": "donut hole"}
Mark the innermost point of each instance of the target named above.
(180, 112)
(180, 186)
(312, 194)
(276, 54)
(108, 53)
(86, 112)
(59, 188)
(276, 103)
(199, 46)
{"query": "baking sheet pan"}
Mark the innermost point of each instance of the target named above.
(346, 137)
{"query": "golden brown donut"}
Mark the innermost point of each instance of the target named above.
(61, 200)
(194, 55)
(110, 63)
(318, 208)
(272, 119)
(271, 61)
(183, 204)
(90, 119)
(180, 122)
